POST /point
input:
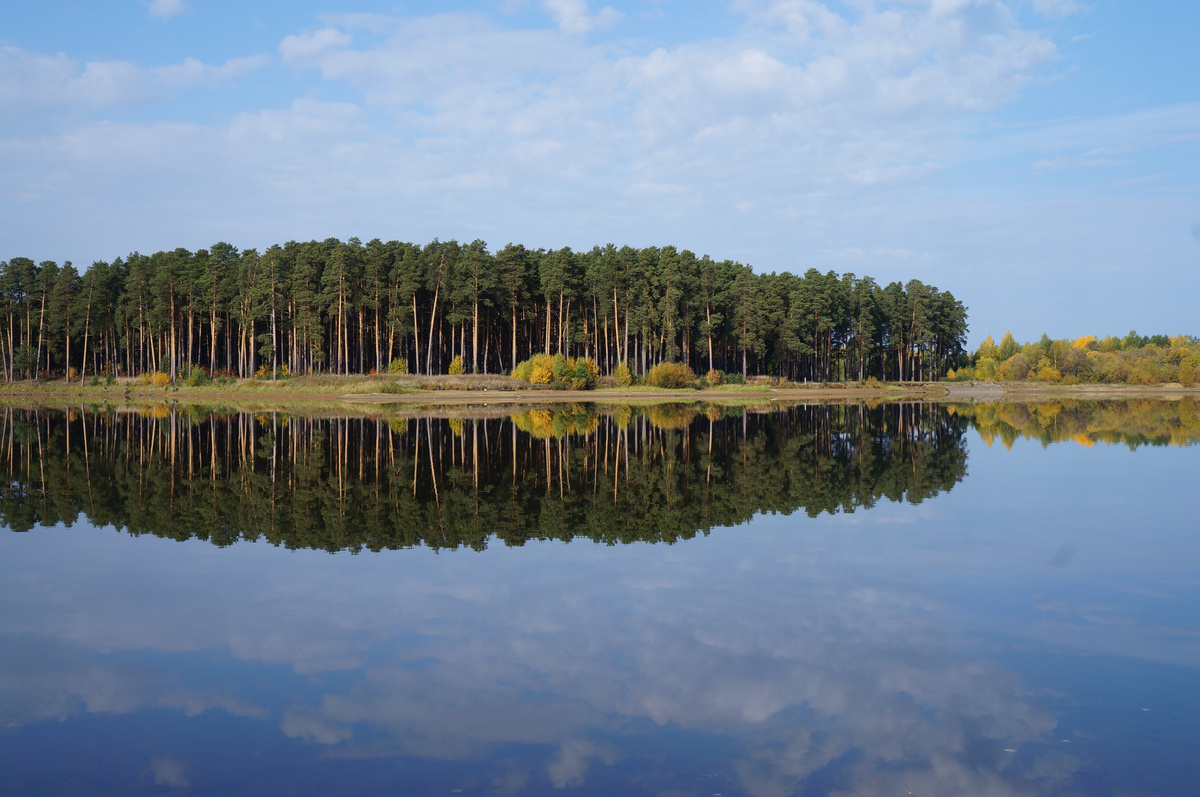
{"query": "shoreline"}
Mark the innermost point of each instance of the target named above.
(356, 392)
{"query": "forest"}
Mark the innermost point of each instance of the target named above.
(1133, 359)
(347, 307)
(652, 474)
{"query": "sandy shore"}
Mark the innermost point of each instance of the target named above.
(355, 392)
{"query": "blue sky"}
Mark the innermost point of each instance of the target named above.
(1038, 158)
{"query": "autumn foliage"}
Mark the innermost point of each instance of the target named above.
(1133, 359)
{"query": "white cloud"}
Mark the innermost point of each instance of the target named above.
(165, 9)
(1055, 9)
(574, 16)
(32, 82)
(800, 18)
(193, 72)
(305, 48)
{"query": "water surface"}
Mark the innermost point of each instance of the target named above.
(846, 599)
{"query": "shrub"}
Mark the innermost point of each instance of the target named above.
(398, 366)
(963, 374)
(671, 375)
(624, 375)
(94, 381)
(524, 369)
(733, 378)
(560, 369)
(456, 366)
(713, 376)
(1187, 374)
(873, 382)
(195, 376)
(585, 374)
(1047, 373)
(161, 380)
(391, 387)
(109, 379)
(541, 374)
(144, 378)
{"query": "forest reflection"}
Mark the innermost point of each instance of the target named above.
(615, 475)
(623, 474)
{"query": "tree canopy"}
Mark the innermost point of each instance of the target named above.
(349, 307)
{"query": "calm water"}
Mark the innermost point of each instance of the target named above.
(837, 600)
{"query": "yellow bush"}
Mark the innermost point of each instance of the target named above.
(1187, 374)
(671, 375)
(456, 366)
(713, 376)
(1048, 373)
(524, 369)
(161, 380)
(623, 375)
(541, 374)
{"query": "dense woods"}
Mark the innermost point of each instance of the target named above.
(652, 474)
(348, 307)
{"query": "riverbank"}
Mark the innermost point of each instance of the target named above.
(416, 391)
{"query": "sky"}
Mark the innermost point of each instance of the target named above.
(1040, 159)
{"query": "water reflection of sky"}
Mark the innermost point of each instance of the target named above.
(1033, 631)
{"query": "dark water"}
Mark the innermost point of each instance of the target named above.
(943, 600)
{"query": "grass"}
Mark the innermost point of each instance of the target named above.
(653, 389)
(743, 388)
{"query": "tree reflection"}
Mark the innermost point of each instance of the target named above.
(630, 474)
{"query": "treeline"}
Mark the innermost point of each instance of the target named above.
(660, 474)
(1133, 359)
(347, 307)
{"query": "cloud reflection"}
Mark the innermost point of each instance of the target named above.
(573, 650)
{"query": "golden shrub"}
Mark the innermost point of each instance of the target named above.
(623, 375)
(671, 375)
(161, 380)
